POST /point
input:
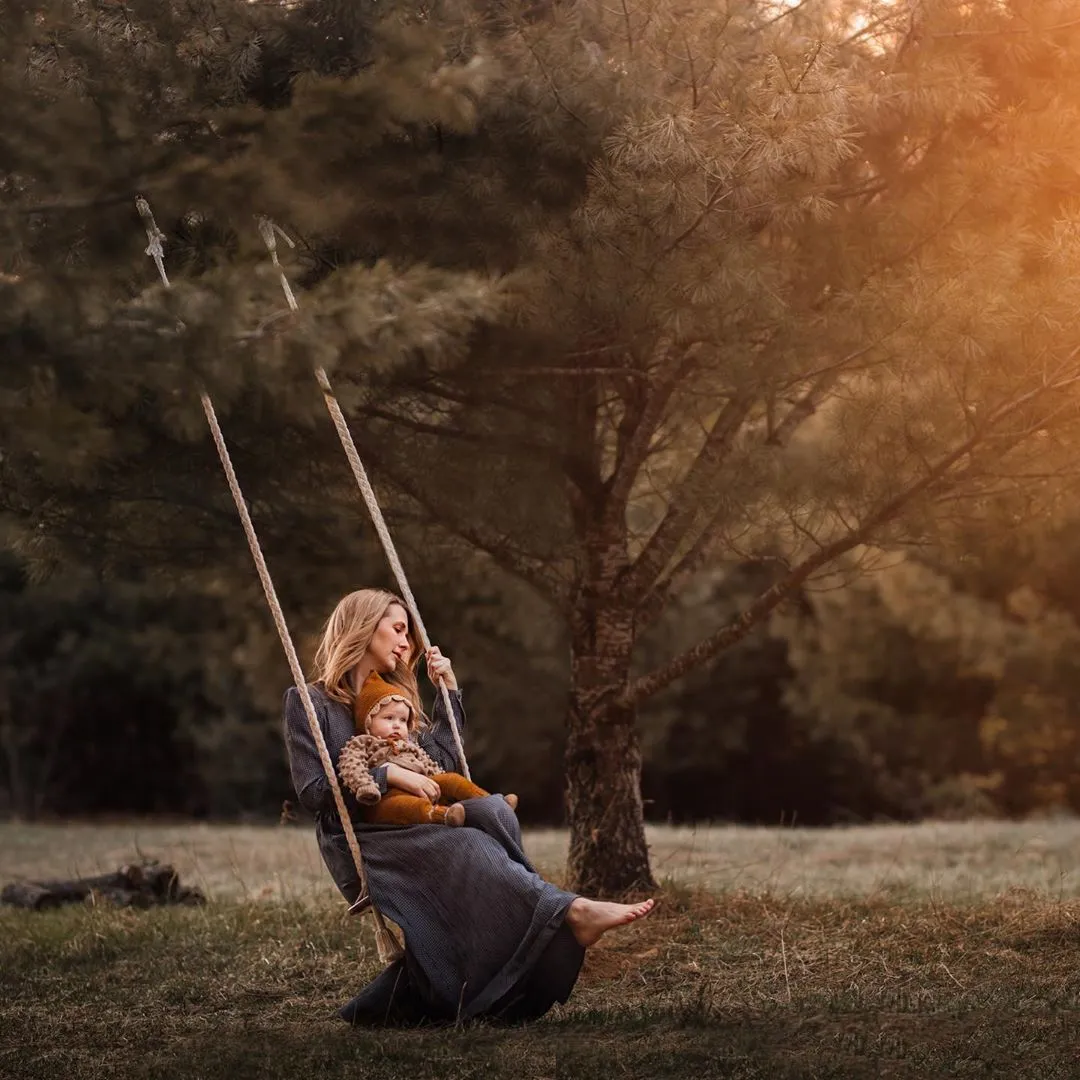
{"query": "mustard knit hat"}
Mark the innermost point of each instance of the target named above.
(375, 692)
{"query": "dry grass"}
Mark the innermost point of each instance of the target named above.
(903, 953)
(954, 861)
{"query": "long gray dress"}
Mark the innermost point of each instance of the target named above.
(485, 935)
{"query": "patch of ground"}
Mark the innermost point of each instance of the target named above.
(948, 860)
(896, 952)
(713, 985)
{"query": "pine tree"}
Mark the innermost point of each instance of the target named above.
(215, 112)
(815, 289)
(611, 295)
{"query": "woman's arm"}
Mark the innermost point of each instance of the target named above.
(308, 776)
(413, 782)
(438, 740)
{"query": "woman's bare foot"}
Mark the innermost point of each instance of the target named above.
(589, 920)
(455, 815)
(512, 802)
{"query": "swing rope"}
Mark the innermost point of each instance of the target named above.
(388, 947)
(270, 232)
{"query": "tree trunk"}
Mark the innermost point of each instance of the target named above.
(20, 803)
(608, 853)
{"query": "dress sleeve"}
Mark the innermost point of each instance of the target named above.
(437, 739)
(308, 777)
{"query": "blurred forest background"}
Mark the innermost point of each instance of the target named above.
(938, 685)
(628, 350)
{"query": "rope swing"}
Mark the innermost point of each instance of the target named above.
(270, 232)
(389, 949)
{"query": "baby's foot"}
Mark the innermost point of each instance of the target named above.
(512, 802)
(455, 815)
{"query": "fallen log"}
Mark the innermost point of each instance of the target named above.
(145, 884)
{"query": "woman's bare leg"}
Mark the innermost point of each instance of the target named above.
(589, 920)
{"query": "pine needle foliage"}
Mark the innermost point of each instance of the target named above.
(613, 292)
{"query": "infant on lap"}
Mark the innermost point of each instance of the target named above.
(385, 720)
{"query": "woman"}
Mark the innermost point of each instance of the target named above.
(485, 935)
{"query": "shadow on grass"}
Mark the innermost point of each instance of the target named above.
(739, 985)
(218, 1048)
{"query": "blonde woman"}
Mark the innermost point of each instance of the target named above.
(485, 935)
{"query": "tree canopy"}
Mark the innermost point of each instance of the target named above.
(612, 295)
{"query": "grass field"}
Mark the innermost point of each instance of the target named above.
(930, 951)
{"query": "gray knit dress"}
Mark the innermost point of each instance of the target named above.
(485, 935)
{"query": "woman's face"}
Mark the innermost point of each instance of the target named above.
(390, 643)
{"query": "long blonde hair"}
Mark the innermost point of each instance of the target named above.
(346, 637)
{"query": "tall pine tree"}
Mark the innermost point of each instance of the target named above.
(610, 294)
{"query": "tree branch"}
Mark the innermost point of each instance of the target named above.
(739, 627)
(572, 469)
(434, 389)
(66, 206)
(530, 569)
(655, 600)
(1007, 31)
(807, 405)
(634, 448)
(547, 76)
(668, 535)
(422, 427)
(788, 11)
(718, 193)
(683, 508)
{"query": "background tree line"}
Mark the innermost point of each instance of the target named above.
(935, 685)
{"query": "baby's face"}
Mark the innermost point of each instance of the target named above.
(391, 721)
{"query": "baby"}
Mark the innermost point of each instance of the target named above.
(384, 722)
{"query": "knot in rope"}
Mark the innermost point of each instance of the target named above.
(269, 232)
(155, 248)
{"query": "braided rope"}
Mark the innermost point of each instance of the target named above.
(155, 249)
(269, 232)
(283, 630)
